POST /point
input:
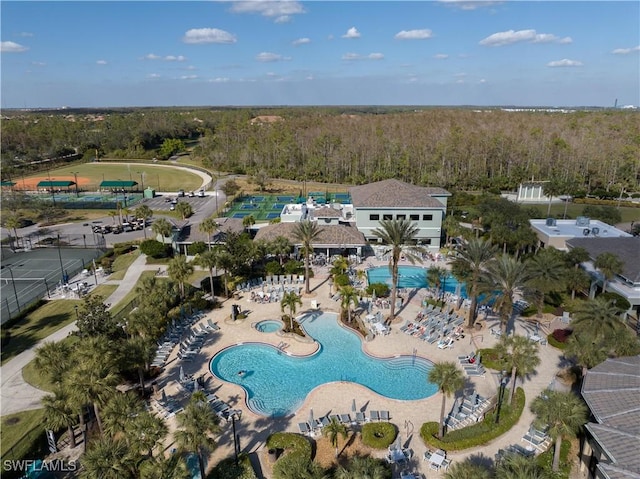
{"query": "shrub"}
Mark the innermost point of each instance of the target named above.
(561, 335)
(341, 280)
(381, 289)
(294, 267)
(490, 359)
(155, 249)
(196, 248)
(479, 433)
(620, 301)
(227, 469)
(294, 444)
(123, 248)
(273, 267)
(379, 435)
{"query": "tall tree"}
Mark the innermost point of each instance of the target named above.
(547, 271)
(576, 280)
(197, 425)
(348, 297)
(95, 319)
(208, 261)
(469, 266)
(609, 265)
(598, 317)
(519, 355)
(449, 379)
(118, 413)
(290, 300)
(179, 270)
(281, 247)
(306, 232)
(146, 213)
(564, 413)
(399, 236)
(184, 209)
(248, 222)
(209, 226)
(552, 188)
(517, 466)
(108, 459)
(467, 470)
(334, 430)
(363, 467)
(172, 467)
(58, 413)
(437, 277)
(162, 227)
(53, 360)
(507, 277)
(145, 432)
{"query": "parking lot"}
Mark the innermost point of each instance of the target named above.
(163, 202)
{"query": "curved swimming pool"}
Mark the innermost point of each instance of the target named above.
(276, 384)
(412, 277)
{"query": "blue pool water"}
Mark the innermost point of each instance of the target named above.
(277, 384)
(411, 277)
(193, 466)
(268, 326)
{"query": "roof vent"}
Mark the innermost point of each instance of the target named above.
(586, 231)
(551, 222)
(595, 231)
(582, 221)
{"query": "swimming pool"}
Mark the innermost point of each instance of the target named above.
(412, 277)
(277, 384)
(268, 326)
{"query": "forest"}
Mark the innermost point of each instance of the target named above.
(586, 152)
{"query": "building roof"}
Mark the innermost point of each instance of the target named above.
(627, 249)
(329, 236)
(394, 193)
(554, 228)
(612, 392)
(7, 183)
(118, 184)
(326, 212)
(54, 184)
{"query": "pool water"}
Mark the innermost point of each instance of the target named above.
(412, 277)
(277, 384)
(268, 326)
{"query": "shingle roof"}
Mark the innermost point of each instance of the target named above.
(330, 235)
(326, 212)
(612, 392)
(393, 193)
(627, 249)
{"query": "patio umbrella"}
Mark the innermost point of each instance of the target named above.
(163, 398)
(373, 295)
(353, 406)
(181, 374)
(196, 386)
(311, 418)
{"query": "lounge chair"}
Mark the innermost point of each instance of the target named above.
(345, 418)
(374, 415)
(360, 417)
(213, 326)
(304, 427)
(384, 415)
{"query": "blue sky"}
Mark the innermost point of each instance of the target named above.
(163, 53)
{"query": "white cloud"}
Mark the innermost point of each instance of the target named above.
(283, 19)
(309, 77)
(270, 9)
(25, 34)
(267, 57)
(301, 41)
(441, 56)
(12, 47)
(188, 77)
(349, 57)
(469, 4)
(208, 35)
(565, 63)
(101, 62)
(152, 56)
(531, 36)
(626, 51)
(352, 33)
(190, 67)
(153, 75)
(413, 34)
(38, 64)
(167, 58)
(219, 80)
(482, 80)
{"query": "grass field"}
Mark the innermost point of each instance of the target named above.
(574, 210)
(131, 295)
(17, 426)
(122, 263)
(90, 175)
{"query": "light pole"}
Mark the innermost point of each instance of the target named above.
(141, 180)
(13, 283)
(503, 384)
(60, 257)
(75, 179)
(75, 306)
(236, 414)
(330, 286)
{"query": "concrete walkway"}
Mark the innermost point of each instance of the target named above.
(17, 395)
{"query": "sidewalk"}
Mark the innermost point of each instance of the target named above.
(17, 395)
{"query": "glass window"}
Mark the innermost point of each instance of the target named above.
(387, 217)
(401, 217)
(427, 217)
(414, 217)
(374, 217)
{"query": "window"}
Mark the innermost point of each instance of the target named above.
(387, 217)
(414, 217)
(401, 217)
(427, 217)
(374, 217)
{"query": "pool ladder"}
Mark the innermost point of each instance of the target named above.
(282, 346)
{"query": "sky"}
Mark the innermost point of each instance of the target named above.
(269, 53)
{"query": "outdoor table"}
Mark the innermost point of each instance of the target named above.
(535, 338)
(436, 460)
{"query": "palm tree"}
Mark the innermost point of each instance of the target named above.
(577, 256)
(518, 354)
(552, 188)
(564, 413)
(299, 466)
(209, 226)
(184, 209)
(197, 425)
(162, 227)
(208, 260)
(598, 317)
(290, 300)
(436, 277)
(58, 413)
(108, 459)
(467, 470)
(363, 467)
(306, 232)
(396, 234)
(12, 221)
(138, 353)
(119, 412)
(172, 467)
(144, 212)
(507, 277)
(179, 270)
(516, 466)
(53, 360)
(547, 272)
(449, 379)
(451, 227)
(248, 222)
(348, 296)
(334, 430)
(113, 215)
(576, 280)
(280, 246)
(585, 350)
(469, 266)
(144, 432)
(609, 265)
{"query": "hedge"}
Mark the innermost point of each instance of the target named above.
(297, 448)
(379, 435)
(479, 433)
(227, 469)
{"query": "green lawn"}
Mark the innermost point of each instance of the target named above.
(32, 376)
(574, 210)
(155, 176)
(131, 295)
(15, 430)
(122, 263)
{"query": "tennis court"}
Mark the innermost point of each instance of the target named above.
(269, 207)
(28, 276)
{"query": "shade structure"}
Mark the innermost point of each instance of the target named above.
(164, 396)
(353, 406)
(311, 418)
(181, 374)
(196, 386)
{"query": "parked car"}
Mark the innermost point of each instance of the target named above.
(181, 193)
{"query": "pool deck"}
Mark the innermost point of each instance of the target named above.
(337, 397)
